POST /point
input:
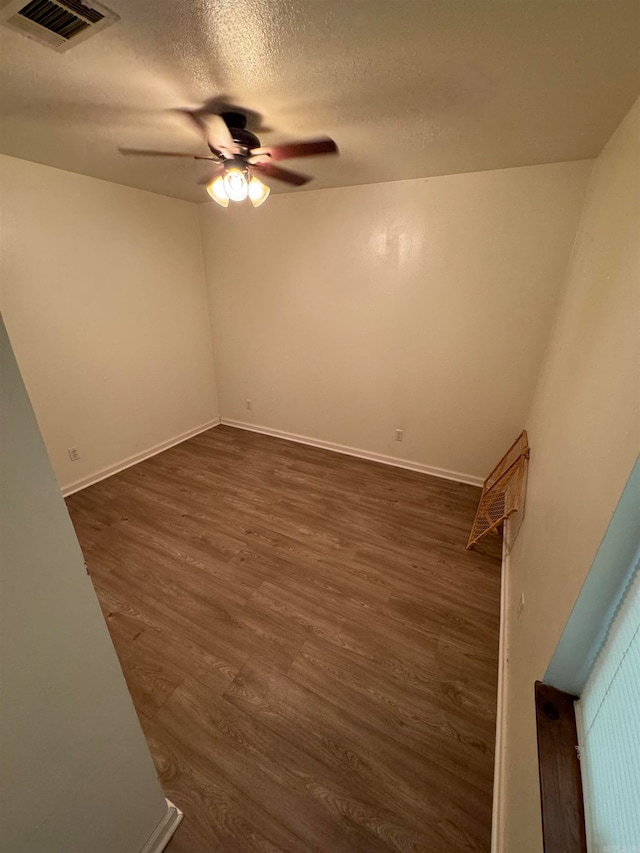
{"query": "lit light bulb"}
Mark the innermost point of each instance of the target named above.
(235, 184)
(258, 192)
(217, 192)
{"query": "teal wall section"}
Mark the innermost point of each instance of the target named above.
(600, 594)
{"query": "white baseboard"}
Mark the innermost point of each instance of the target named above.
(77, 485)
(161, 835)
(361, 454)
(90, 480)
(498, 816)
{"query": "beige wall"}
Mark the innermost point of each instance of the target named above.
(76, 773)
(584, 431)
(422, 305)
(104, 299)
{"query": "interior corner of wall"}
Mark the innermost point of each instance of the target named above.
(201, 213)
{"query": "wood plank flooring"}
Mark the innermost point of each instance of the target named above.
(310, 649)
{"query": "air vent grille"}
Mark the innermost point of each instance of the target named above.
(83, 11)
(54, 18)
(56, 23)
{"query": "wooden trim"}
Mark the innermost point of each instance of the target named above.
(443, 473)
(563, 826)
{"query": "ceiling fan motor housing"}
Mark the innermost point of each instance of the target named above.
(237, 164)
(237, 124)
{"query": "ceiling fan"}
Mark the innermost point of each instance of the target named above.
(238, 155)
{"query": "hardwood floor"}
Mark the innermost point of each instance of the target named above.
(311, 650)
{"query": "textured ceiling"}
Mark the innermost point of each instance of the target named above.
(407, 88)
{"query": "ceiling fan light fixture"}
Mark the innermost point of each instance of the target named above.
(235, 183)
(217, 192)
(258, 192)
(235, 150)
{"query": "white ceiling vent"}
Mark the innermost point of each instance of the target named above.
(59, 24)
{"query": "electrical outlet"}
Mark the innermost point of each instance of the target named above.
(248, 403)
(399, 434)
(520, 606)
(74, 453)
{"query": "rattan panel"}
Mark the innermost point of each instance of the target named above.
(502, 490)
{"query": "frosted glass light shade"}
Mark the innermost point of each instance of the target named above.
(236, 185)
(217, 192)
(258, 192)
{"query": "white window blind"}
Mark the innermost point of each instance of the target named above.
(608, 715)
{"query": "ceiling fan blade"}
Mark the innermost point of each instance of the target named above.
(213, 130)
(145, 153)
(298, 149)
(279, 174)
(219, 134)
(258, 159)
